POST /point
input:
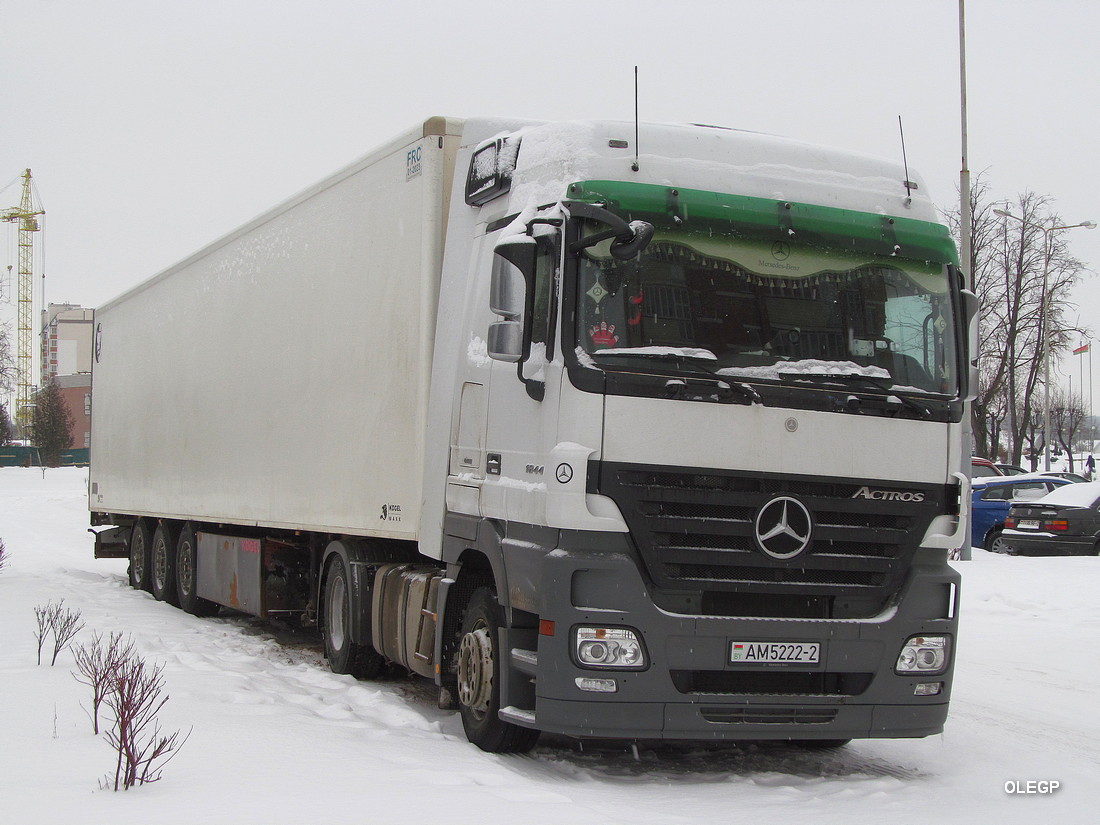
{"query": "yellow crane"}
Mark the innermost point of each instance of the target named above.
(26, 216)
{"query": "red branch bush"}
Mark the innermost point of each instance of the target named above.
(96, 664)
(135, 696)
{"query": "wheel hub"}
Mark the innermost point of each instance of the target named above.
(475, 670)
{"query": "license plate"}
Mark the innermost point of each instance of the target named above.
(1028, 524)
(784, 653)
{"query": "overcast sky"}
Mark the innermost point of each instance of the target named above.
(153, 128)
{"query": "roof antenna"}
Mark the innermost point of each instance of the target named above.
(634, 165)
(909, 185)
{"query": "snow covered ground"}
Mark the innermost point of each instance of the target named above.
(277, 738)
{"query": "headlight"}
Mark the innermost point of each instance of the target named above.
(609, 647)
(923, 654)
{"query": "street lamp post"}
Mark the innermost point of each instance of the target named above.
(1044, 300)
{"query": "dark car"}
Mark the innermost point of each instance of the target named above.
(1063, 522)
(1076, 477)
(982, 467)
(990, 499)
(1010, 469)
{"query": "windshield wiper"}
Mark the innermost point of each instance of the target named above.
(696, 362)
(867, 380)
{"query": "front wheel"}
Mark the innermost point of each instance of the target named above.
(344, 655)
(479, 664)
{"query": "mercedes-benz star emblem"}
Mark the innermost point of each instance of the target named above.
(564, 474)
(783, 527)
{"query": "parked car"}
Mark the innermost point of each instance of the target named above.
(991, 498)
(1010, 469)
(1074, 477)
(982, 467)
(1063, 522)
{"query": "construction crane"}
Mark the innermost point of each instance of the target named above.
(26, 216)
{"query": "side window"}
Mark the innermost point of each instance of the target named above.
(1030, 492)
(995, 494)
(542, 304)
(545, 267)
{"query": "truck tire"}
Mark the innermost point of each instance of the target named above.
(478, 686)
(162, 556)
(344, 655)
(141, 539)
(187, 575)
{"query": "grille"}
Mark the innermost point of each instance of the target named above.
(760, 683)
(768, 716)
(694, 530)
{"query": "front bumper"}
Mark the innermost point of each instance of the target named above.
(691, 690)
(1048, 544)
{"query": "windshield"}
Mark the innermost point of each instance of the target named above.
(769, 311)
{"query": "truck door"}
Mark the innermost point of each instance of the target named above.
(522, 422)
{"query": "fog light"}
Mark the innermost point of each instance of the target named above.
(609, 647)
(923, 654)
(597, 685)
(928, 689)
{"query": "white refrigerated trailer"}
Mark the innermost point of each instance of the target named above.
(657, 441)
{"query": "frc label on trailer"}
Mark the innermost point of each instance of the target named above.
(780, 653)
(413, 163)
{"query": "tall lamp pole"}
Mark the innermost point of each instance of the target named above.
(1043, 313)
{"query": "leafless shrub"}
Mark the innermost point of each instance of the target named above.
(3, 555)
(42, 615)
(96, 664)
(135, 696)
(60, 622)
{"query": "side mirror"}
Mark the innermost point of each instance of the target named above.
(624, 250)
(513, 272)
(971, 306)
(505, 341)
(507, 289)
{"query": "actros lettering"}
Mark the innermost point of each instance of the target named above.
(887, 495)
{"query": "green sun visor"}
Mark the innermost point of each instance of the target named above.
(762, 219)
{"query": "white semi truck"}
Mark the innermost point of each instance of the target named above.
(640, 434)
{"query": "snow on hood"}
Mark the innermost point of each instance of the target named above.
(1083, 494)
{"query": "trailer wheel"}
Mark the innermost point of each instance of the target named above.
(163, 567)
(140, 541)
(187, 575)
(478, 686)
(344, 655)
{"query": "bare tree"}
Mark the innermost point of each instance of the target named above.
(96, 664)
(1022, 312)
(1067, 420)
(7, 361)
(3, 555)
(7, 429)
(135, 697)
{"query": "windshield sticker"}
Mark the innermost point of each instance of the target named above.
(597, 293)
(603, 335)
(635, 316)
